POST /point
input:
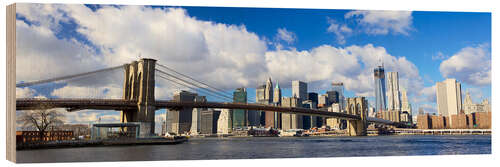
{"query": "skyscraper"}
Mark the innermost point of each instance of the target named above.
(379, 76)
(393, 99)
(449, 97)
(196, 124)
(405, 105)
(299, 90)
(180, 120)
(333, 97)
(240, 115)
(277, 94)
(269, 91)
(291, 121)
(339, 87)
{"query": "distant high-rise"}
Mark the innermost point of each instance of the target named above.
(209, 119)
(224, 123)
(260, 94)
(380, 101)
(393, 99)
(299, 90)
(180, 120)
(405, 105)
(277, 94)
(339, 87)
(291, 121)
(240, 115)
(333, 97)
(449, 97)
(322, 100)
(269, 91)
(195, 122)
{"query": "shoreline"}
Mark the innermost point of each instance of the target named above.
(95, 143)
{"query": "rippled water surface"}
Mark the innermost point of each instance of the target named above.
(268, 147)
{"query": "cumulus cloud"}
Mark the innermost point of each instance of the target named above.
(25, 92)
(110, 92)
(471, 65)
(383, 22)
(340, 30)
(352, 65)
(285, 35)
(84, 117)
(223, 55)
(427, 94)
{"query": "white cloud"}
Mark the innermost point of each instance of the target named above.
(25, 92)
(471, 65)
(340, 30)
(286, 35)
(428, 108)
(383, 22)
(111, 92)
(352, 65)
(90, 116)
(439, 56)
(208, 51)
(427, 94)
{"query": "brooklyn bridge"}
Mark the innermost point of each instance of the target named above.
(139, 104)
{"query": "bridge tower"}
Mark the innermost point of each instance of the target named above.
(357, 106)
(139, 85)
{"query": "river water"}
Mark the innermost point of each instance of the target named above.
(270, 147)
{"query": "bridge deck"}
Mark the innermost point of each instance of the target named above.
(120, 104)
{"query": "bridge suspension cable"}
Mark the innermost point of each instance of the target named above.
(170, 69)
(195, 85)
(193, 88)
(219, 91)
(25, 84)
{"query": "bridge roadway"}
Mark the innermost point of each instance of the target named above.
(120, 104)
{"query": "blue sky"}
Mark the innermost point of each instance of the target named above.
(234, 47)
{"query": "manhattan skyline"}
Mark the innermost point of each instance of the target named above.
(250, 45)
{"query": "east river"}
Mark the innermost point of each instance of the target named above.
(270, 147)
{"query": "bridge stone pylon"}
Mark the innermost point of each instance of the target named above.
(357, 106)
(139, 85)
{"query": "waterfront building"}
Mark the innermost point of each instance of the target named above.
(195, 125)
(309, 121)
(449, 97)
(406, 117)
(260, 94)
(239, 115)
(224, 122)
(180, 119)
(334, 123)
(291, 121)
(209, 120)
(471, 107)
(393, 99)
(314, 98)
(299, 90)
(380, 98)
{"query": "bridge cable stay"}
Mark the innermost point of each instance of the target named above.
(193, 88)
(207, 85)
(193, 84)
(26, 84)
(216, 89)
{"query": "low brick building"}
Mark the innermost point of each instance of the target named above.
(32, 136)
(424, 121)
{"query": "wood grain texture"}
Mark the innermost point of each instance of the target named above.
(11, 83)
